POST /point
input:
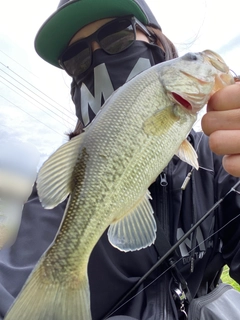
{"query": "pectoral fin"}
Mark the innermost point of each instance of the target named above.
(135, 231)
(160, 122)
(55, 176)
(187, 154)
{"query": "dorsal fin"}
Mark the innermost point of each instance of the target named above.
(54, 178)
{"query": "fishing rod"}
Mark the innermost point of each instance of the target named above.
(170, 251)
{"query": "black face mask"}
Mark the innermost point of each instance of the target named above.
(108, 73)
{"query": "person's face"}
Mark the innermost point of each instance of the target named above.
(102, 56)
(94, 26)
(112, 35)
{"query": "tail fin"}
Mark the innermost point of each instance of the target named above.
(41, 299)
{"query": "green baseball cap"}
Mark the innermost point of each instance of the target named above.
(72, 15)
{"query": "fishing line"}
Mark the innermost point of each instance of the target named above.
(237, 77)
(174, 247)
(206, 169)
(188, 177)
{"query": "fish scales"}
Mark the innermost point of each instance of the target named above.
(107, 170)
(100, 188)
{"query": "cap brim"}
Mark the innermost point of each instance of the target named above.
(56, 32)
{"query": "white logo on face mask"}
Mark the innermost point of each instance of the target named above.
(103, 88)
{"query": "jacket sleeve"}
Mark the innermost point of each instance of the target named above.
(37, 231)
(228, 217)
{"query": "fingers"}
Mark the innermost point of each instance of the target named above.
(222, 124)
(231, 164)
(227, 103)
(221, 120)
(224, 142)
(225, 99)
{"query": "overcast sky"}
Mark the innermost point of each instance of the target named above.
(35, 104)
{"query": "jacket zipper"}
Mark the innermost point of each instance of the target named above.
(164, 220)
(164, 285)
(163, 179)
(164, 214)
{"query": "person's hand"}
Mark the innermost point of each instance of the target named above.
(222, 124)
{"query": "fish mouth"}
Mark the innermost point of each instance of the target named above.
(182, 101)
(216, 60)
(194, 101)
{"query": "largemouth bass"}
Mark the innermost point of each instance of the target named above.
(107, 171)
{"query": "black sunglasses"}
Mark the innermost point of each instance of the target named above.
(113, 37)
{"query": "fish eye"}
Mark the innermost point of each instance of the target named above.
(190, 56)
